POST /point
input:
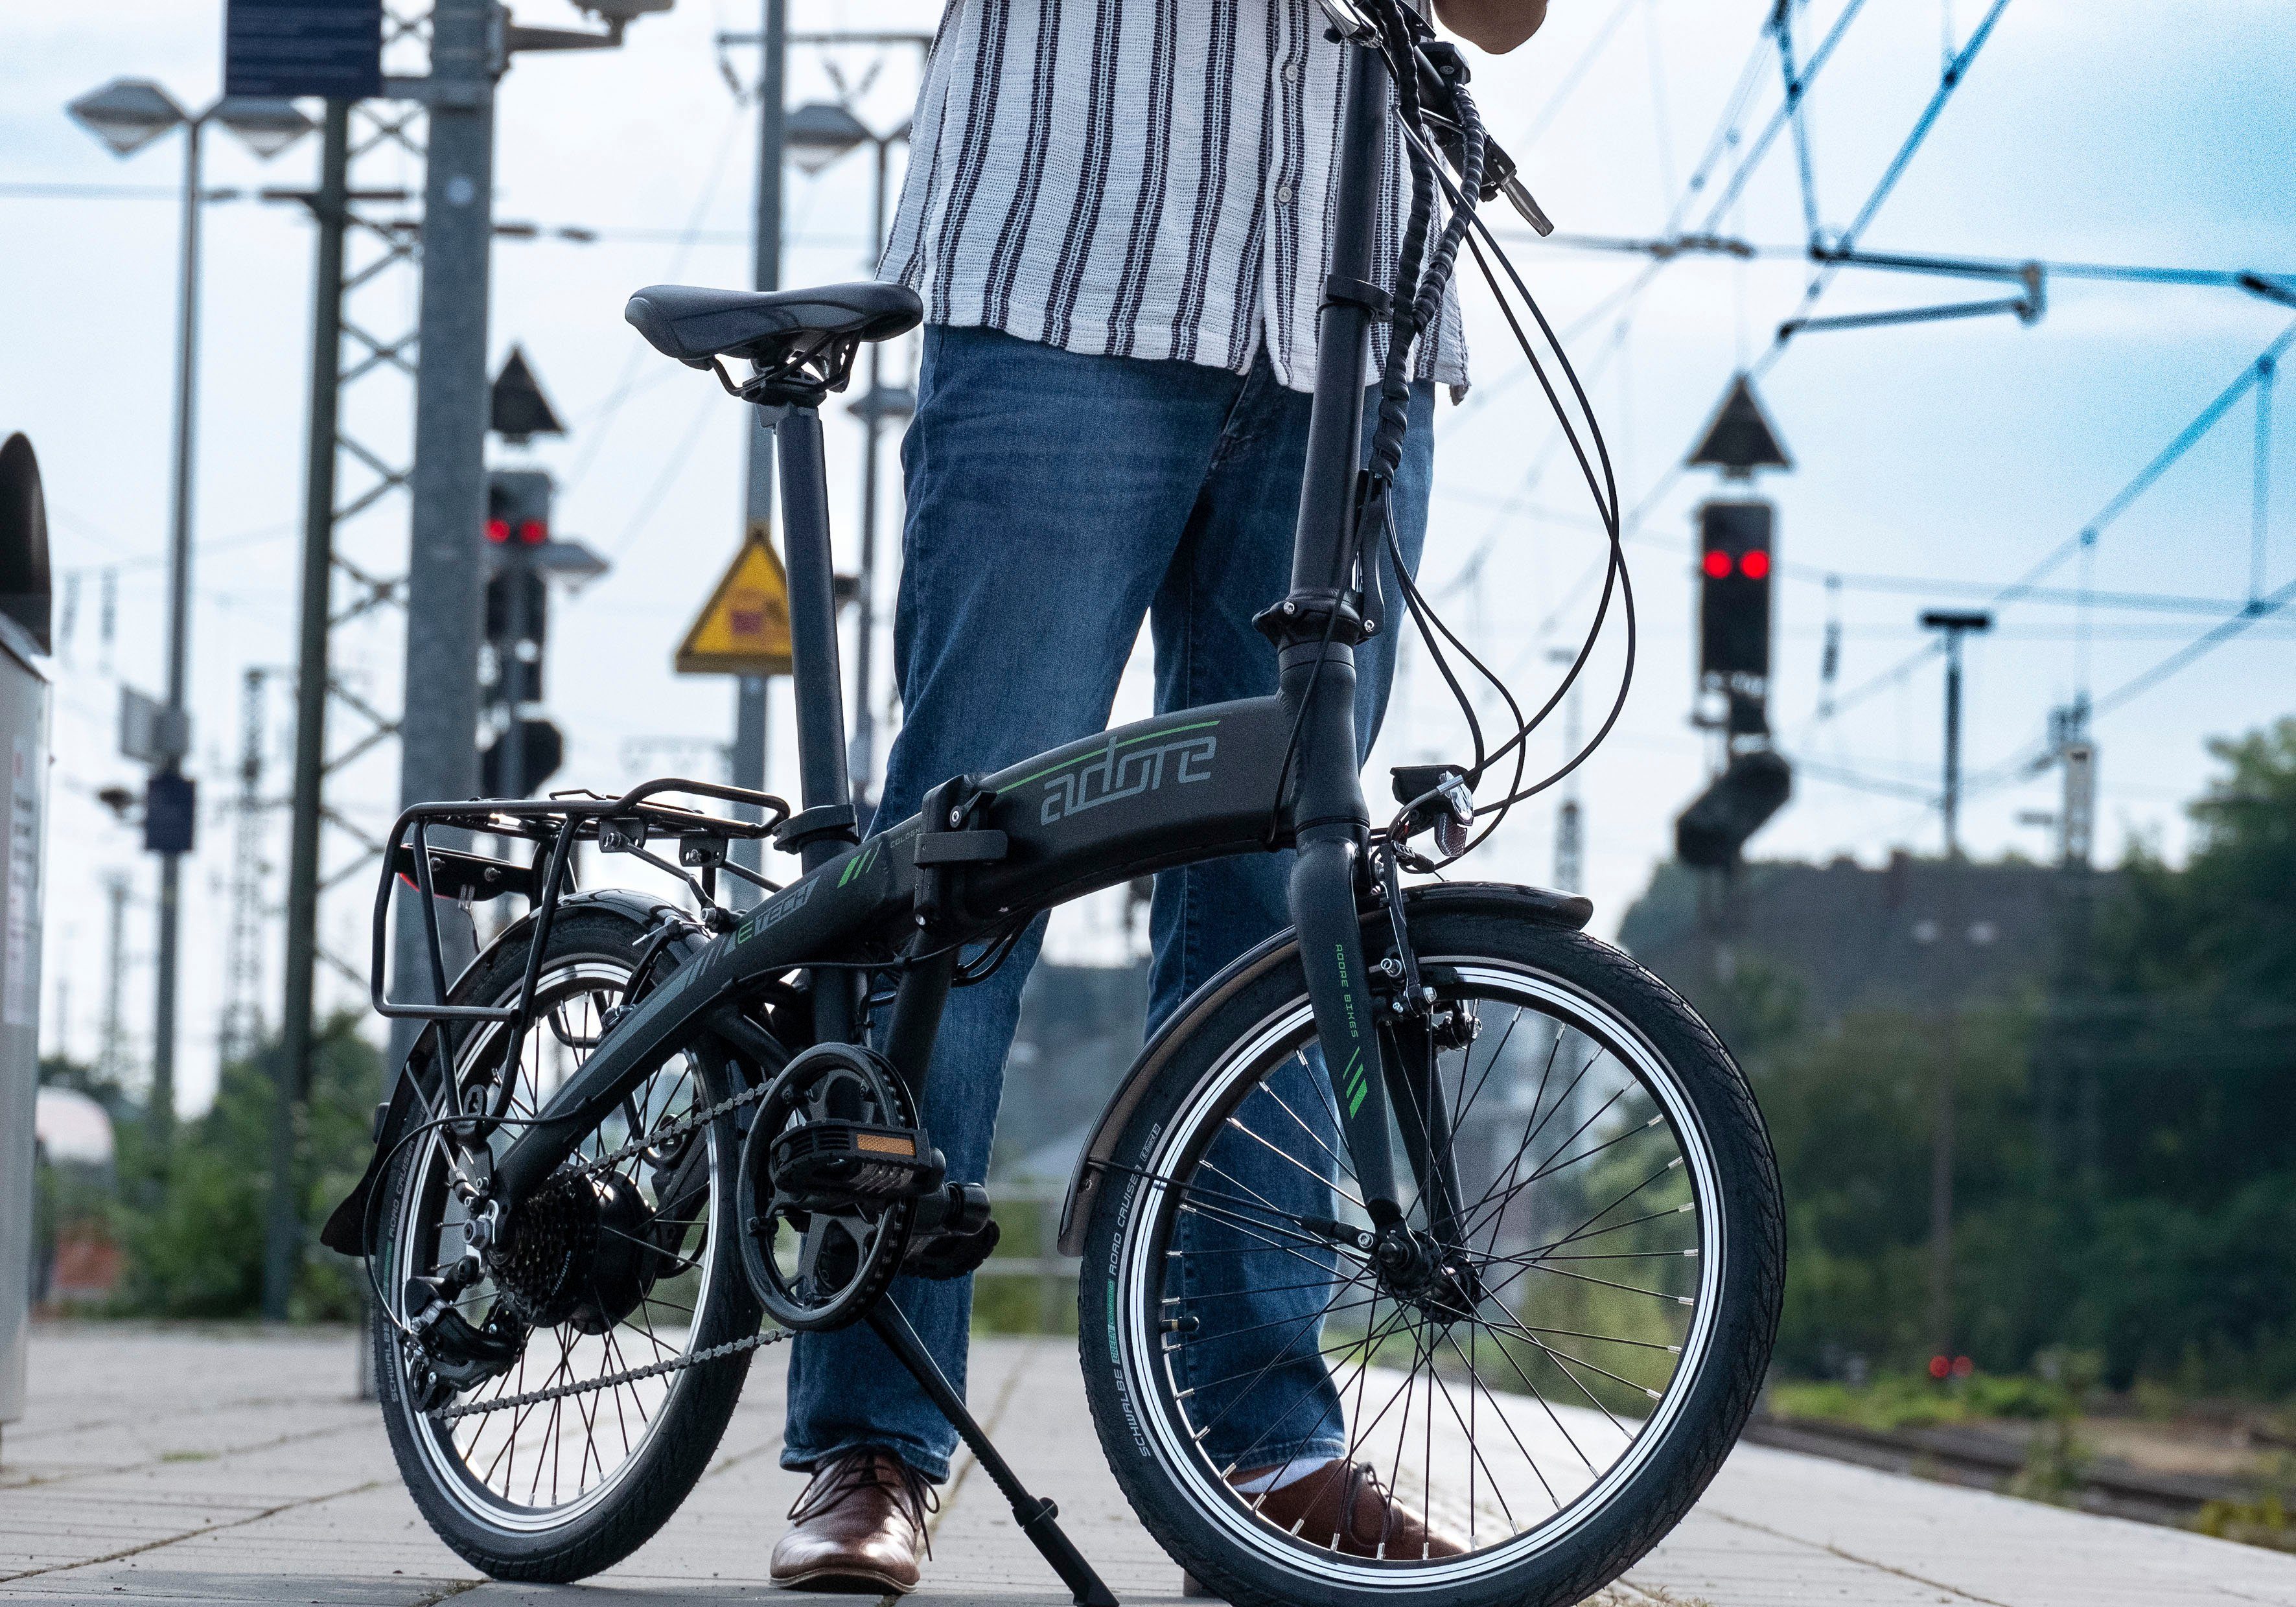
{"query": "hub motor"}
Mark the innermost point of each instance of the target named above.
(578, 1252)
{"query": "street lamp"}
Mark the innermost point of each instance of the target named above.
(127, 115)
(813, 137)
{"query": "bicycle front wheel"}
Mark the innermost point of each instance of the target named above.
(1550, 1390)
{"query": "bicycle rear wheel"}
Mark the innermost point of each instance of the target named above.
(1554, 1386)
(604, 1272)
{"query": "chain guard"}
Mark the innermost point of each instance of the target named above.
(834, 1162)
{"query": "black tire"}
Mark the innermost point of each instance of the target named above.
(1151, 1441)
(559, 1541)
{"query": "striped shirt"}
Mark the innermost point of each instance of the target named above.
(1141, 178)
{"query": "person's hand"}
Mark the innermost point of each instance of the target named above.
(1497, 25)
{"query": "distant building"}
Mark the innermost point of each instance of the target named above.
(1915, 934)
(1081, 1026)
(74, 1259)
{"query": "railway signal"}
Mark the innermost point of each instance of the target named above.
(1737, 563)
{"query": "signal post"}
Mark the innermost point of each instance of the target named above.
(1737, 540)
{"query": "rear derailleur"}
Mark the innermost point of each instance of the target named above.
(582, 1251)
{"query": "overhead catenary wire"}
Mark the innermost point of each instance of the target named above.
(1954, 75)
(1760, 145)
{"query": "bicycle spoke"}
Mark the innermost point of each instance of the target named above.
(1459, 1117)
(1313, 1136)
(1408, 1371)
(554, 1441)
(1538, 1168)
(1291, 1159)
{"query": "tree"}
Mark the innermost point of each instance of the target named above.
(199, 1252)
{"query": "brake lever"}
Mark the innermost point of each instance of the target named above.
(1511, 185)
(1500, 175)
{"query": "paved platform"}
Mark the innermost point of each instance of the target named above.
(234, 1466)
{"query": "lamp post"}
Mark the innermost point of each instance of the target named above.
(127, 115)
(815, 136)
(1955, 625)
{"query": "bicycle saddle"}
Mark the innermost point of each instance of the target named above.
(694, 325)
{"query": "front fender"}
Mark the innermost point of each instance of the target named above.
(1524, 903)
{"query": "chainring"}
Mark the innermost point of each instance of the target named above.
(821, 1245)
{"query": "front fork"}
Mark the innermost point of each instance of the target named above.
(1379, 1054)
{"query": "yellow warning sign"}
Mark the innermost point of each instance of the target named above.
(744, 628)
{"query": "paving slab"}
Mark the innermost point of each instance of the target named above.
(223, 1465)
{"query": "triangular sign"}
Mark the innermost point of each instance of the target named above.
(519, 409)
(744, 628)
(1740, 438)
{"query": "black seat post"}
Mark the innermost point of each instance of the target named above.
(818, 679)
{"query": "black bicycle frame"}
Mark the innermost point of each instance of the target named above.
(989, 853)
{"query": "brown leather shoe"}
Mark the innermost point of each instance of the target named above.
(859, 1527)
(1343, 1506)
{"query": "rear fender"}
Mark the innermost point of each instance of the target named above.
(416, 1089)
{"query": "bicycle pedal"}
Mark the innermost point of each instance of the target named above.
(944, 1256)
(830, 1163)
(952, 1233)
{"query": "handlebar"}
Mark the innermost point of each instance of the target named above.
(1500, 174)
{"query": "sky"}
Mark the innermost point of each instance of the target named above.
(1934, 464)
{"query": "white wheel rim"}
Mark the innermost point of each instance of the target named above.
(1142, 1203)
(450, 1449)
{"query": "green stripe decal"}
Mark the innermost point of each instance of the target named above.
(1147, 737)
(1352, 1079)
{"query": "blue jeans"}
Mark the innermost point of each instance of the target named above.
(1053, 500)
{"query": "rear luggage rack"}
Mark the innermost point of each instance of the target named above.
(554, 825)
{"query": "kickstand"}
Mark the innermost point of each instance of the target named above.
(1036, 1518)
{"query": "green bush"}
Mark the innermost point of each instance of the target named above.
(192, 1228)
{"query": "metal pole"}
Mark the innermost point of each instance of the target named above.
(749, 708)
(112, 1051)
(518, 676)
(1941, 1179)
(1955, 625)
(1569, 843)
(438, 727)
(864, 617)
(180, 624)
(283, 1247)
(1953, 745)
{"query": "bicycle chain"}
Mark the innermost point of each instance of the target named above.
(611, 1381)
(677, 1129)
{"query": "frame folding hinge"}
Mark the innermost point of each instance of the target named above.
(946, 844)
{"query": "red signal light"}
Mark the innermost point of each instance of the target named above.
(534, 532)
(1717, 564)
(498, 530)
(1939, 1365)
(1754, 564)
